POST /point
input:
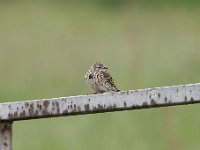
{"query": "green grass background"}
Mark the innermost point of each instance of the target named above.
(47, 46)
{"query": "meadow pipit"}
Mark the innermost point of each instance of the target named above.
(99, 79)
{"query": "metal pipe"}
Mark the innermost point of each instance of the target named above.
(98, 103)
(6, 135)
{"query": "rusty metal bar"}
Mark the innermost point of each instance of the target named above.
(98, 103)
(5, 135)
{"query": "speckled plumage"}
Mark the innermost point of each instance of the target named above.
(99, 79)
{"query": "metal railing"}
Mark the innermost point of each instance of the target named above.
(94, 103)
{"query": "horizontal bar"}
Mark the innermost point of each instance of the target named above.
(99, 103)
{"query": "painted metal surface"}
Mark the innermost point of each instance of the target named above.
(6, 135)
(98, 103)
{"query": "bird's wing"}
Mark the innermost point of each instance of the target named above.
(109, 80)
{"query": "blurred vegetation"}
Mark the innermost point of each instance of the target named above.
(47, 46)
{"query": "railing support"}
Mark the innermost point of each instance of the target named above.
(6, 135)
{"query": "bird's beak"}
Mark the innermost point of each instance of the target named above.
(105, 67)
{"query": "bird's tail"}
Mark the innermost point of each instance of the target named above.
(116, 89)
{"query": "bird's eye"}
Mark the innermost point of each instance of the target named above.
(98, 66)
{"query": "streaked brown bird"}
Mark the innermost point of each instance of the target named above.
(98, 79)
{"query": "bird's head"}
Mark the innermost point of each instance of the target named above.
(99, 66)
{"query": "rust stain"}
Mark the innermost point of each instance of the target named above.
(65, 111)
(58, 108)
(46, 103)
(185, 98)
(57, 104)
(145, 104)
(45, 112)
(114, 106)
(191, 99)
(100, 107)
(39, 106)
(10, 115)
(165, 99)
(23, 113)
(26, 104)
(30, 111)
(87, 107)
(36, 112)
(31, 107)
(6, 128)
(15, 114)
(153, 102)
(79, 109)
(158, 95)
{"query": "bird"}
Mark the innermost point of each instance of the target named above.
(98, 79)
